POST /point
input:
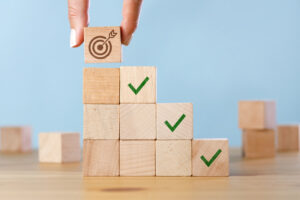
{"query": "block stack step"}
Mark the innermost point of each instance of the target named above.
(125, 131)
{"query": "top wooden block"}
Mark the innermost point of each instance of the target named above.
(101, 86)
(138, 85)
(15, 139)
(102, 44)
(288, 137)
(257, 115)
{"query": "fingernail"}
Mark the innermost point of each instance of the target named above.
(73, 38)
(126, 42)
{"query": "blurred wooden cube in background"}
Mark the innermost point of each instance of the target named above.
(59, 147)
(288, 137)
(257, 114)
(258, 143)
(16, 139)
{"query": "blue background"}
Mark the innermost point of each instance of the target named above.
(210, 53)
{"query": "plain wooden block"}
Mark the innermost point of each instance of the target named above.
(137, 158)
(173, 157)
(101, 121)
(177, 115)
(288, 138)
(101, 86)
(143, 82)
(15, 139)
(257, 114)
(258, 143)
(102, 44)
(138, 121)
(101, 157)
(59, 147)
(210, 157)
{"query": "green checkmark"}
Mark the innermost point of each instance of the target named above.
(172, 128)
(136, 91)
(208, 163)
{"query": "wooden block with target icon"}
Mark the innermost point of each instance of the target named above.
(102, 44)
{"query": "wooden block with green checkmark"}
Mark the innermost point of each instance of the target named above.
(138, 84)
(174, 121)
(210, 157)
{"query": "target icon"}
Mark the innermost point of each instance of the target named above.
(100, 47)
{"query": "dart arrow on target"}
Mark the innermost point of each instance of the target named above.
(112, 34)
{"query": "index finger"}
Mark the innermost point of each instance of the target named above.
(131, 12)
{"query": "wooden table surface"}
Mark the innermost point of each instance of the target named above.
(22, 177)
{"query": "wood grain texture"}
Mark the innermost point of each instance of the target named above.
(258, 143)
(101, 121)
(101, 85)
(23, 177)
(101, 157)
(137, 121)
(172, 112)
(288, 137)
(137, 158)
(71, 151)
(58, 147)
(135, 76)
(50, 148)
(257, 115)
(208, 148)
(116, 48)
(16, 139)
(173, 158)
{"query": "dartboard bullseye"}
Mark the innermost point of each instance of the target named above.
(100, 47)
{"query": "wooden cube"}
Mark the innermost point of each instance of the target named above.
(258, 143)
(15, 139)
(138, 121)
(101, 157)
(257, 115)
(138, 85)
(210, 157)
(137, 158)
(174, 121)
(101, 86)
(288, 137)
(173, 158)
(59, 147)
(102, 44)
(101, 121)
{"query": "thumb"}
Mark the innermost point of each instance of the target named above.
(78, 18)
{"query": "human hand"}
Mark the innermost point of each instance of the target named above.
(78, 18)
